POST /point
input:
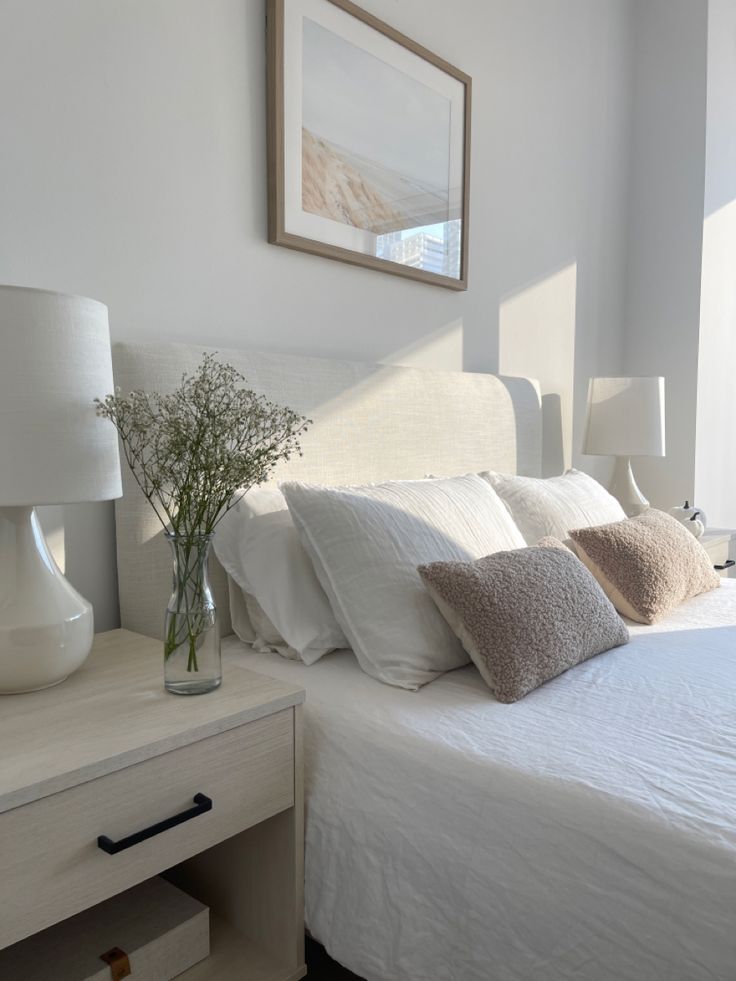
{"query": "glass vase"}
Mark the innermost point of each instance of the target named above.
(192, 661)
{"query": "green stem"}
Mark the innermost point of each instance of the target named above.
(187, 626)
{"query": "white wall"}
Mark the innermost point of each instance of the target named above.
(665, 226)
(715, 457)
(133, 170)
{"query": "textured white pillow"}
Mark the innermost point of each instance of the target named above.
(258, 547)
(366, 543)
(555, 505)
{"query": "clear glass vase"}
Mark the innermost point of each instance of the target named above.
(192, 661)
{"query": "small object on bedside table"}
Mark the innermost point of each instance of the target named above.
(720, 544)
(625, 419)
(55, 358)
(692, 517)
(97, 778)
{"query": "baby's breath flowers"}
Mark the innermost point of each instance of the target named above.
(194, 453)
(190, 451)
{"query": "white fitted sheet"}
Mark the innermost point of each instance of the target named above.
(585, 833)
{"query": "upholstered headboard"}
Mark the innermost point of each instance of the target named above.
(372, 422)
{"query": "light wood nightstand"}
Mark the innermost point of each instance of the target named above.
(720, 544)
(110, 753)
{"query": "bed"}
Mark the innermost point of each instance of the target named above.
(587, 832)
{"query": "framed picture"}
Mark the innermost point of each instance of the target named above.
(369, 143)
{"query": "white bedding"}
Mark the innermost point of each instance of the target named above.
(585, 833)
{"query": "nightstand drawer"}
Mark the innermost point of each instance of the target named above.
(721, 547)
(50, 862)
(719, 551)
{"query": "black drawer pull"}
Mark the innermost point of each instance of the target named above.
(202, 804)
(726, 565)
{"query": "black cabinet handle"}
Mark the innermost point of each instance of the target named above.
(202, 804)
(726, 565)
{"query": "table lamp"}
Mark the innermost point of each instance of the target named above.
(54, 360)
(625, 419)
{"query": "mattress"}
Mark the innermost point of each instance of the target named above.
(586, 832)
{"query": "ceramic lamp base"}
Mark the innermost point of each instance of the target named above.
(46, 627)
(624, 488)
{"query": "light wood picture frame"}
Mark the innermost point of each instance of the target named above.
(368, 144)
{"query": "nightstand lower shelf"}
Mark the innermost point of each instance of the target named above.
(235, 958)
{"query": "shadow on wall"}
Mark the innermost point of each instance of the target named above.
(93, 570)
(536, 338)
(81, 538)
(553, 436)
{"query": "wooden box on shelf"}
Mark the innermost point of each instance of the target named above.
(109, 754)
(153, 930)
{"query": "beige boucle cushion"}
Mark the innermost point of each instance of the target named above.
(524, 616)
(647, 565)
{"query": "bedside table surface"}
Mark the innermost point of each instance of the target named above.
(712, 535)
(115, 712)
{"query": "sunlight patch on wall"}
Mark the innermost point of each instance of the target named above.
(537, 339)
(715, 466)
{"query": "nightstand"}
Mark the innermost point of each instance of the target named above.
(720, 544)
(109, 753)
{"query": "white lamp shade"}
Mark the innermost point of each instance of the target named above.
(54, 361)
(625, 417)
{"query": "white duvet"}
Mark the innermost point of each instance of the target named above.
(585, 833)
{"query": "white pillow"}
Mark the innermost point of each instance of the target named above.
(286, 607)
(555, 505)
(366, 543)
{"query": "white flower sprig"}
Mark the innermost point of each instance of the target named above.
(192, 450)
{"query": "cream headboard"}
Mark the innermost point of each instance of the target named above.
(371, 423)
